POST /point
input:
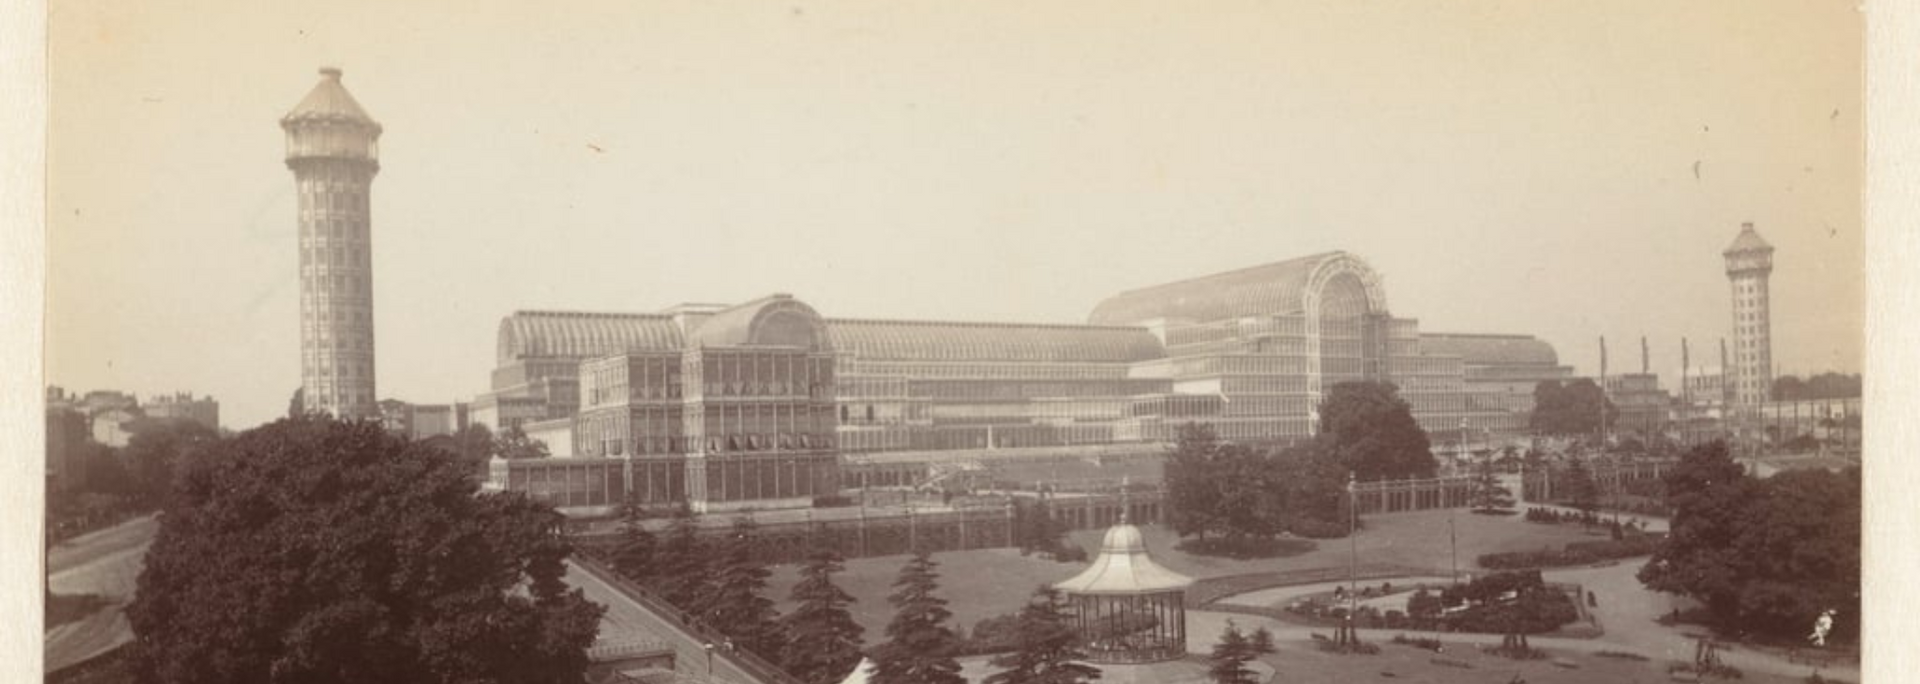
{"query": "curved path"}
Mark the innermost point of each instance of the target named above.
(105, 563)
(1627, 611)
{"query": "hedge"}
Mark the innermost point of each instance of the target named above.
(1576, 553)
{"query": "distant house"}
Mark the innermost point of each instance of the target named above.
(113, 427)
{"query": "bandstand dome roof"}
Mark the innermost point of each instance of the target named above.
(1124, 567)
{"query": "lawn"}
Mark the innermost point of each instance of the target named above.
(1301, 663)
(982, 584)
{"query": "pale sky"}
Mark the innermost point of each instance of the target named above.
(1510, 167)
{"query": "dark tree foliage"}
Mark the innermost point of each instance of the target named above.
(1423, 605)
(1762, 555)
(1248, 494)
(157, 451)
(1803, 540)
(311, 550)
(1239, 494)
(1047, 646)
(472, 445)
(1313, 482)
(1034, 527)
(297, 405)
(1582, 491)
(1822, 386)
(1190, 481)
(1261, 642)
(1488, 493)
(1228, 662)
(680, 568)
(823, 642)
(1370, 430)
(920, 647)
(1570, 408)
(634, 557)
(736, 603)
(514, 443)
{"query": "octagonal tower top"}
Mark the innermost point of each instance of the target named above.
(1749, 253)
(328, 123)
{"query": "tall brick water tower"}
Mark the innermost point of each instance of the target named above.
(333, 150)
(1749, 262)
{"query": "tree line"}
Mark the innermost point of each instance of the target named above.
(1241, 493)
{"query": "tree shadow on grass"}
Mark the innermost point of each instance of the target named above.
(1247, 549)
(65, 608)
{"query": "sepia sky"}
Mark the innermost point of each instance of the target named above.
(1562, 169)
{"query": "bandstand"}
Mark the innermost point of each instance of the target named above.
(1127, 608)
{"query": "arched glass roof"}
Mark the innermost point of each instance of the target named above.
(1272, 289)
(580, 335)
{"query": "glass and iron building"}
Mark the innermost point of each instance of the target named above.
(768, 403)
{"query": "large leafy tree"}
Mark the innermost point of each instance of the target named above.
(920, 647)
(312, 550)
(1368, 428)
(736, 602)
(1192, 481)
(1570, 408)
(1047, 647)
(1762, 555)
(514, 443)
(1802, 539)
(1313, 483)
(823, 642)
(158, 450)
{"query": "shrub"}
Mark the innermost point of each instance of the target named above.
(1319, 529)
(832, 501)
(1352, 648)
(1622, 655)
(1575, 553)
(1427, 643)
(1070, 553)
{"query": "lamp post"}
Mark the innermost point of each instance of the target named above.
(1353, 551)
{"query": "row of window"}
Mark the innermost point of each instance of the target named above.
(990, 370)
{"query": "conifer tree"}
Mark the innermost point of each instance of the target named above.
(919, 647)
(634, 557)
(1230, 657)
(823, 641)
(1488, 493)
(680, 568)
(735, 603)
(1582, 490)
(1047, 646)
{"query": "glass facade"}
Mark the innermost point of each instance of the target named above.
(760, 401)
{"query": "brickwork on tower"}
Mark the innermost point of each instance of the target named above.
(1749, 262)
(333, 151)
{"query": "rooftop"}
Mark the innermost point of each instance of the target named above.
(329, 101)
(1124, 567)
(1748, 241)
